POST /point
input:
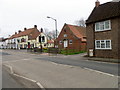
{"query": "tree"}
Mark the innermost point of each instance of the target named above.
(80, 22)
(50, 34)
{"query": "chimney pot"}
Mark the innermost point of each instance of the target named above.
(25, 29)
(97, 3)
(35, 26)
(41, 29)
(19, 31)
(15, 32)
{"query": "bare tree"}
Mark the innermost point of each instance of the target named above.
(50, 34)
(80, 22)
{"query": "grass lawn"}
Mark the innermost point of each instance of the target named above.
(71, 52)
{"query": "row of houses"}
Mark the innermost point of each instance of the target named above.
(100, 37)
(28, 38)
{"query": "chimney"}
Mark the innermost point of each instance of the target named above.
(25, 29)
(35, 26)
(19, 31)
(97, 3)
(41, 29)
(15, 32)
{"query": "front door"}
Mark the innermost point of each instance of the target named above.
(65, 43)
(28, 45)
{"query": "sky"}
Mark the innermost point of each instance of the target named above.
(18, 14)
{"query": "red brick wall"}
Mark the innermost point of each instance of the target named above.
(112, 34)
(76, 43)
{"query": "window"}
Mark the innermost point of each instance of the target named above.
(18, 40)
(103, 44)
(22, 40)
(40, 39)
(60, 42)
(102, 26)
(65, 35)
(108, 42)
(70, 41)
(97, 44)
(25, 45)
(43, 38)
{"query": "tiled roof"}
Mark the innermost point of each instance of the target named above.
(78, 31)
(34, 32)
(104, 11)
(50, 41)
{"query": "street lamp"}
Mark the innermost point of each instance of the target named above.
(55, 24)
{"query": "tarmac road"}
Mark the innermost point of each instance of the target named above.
(47, 69)
(8, 81)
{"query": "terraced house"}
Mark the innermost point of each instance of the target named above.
(29, 38)
(103, 30)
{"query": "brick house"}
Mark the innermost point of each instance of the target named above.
(72, 37)
(103, 30)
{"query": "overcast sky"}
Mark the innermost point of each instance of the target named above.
(17, 14)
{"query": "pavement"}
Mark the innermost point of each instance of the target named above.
(57, 75)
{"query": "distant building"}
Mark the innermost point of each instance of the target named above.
(3, 44)
(103, 30)
(72, 37)
(29, 38)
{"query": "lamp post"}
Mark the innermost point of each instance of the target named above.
(55, 24)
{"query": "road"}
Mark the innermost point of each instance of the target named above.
(27, 64)
(110, 68)
(7, 80)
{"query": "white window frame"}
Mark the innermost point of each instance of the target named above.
(102, 23)
(105, 44)
(60, 42)
(70, 41)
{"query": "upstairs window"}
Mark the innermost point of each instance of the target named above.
(65, 35)
(23, 40)
(43, 38)
(40, 39)
(102, 26)
(103, 44)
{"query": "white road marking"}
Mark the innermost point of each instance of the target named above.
(15, 60)
(54, 63)
(12, 72)
(101, 72)
(101, 62)
(87, 69)
(62, 64)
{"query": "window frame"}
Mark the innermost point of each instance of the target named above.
(60, 42)
(104, 25)
(65, 35)
(70, 42)
(103, 43)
